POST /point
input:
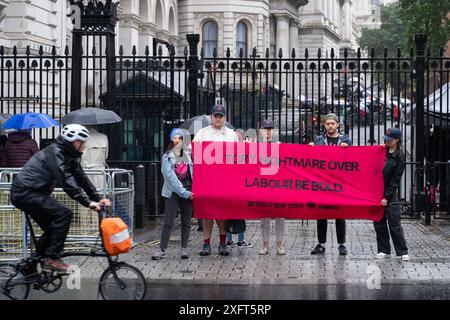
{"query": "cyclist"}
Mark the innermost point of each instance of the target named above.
(58, 165)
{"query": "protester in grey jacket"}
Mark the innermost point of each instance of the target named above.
(331, 137)
(177, 170)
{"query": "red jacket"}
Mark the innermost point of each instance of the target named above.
(19, 148)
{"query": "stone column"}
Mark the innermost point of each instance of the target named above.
(282, 21)
(294, 24)
(348, 22)
(282, 34)
(146, 34)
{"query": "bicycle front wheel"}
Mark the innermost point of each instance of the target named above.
(13, 284)
(122, 282)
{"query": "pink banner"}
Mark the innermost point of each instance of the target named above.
(260, 180)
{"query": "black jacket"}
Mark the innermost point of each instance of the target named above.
(322, 140)
(393, 169)
(57, 165)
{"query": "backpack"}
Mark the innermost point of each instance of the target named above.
(116, 238)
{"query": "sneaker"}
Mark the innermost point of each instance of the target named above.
(281, 251)
(244, 244)
(223, 250)
(231, 244)
(319, 249)
(342, 250)
(405, 257)
(55, 265)
(264, 251)
(382, 255)
(158, 255)
(206, 250)
(184, 253)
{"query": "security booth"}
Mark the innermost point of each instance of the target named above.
(248, 105)
(149, 109)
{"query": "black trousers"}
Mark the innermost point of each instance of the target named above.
(322, 230)
(392, 217)
(53, 218)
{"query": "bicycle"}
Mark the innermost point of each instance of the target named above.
(119, 280)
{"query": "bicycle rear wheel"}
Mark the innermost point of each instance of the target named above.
(122, 282)
(17, 288)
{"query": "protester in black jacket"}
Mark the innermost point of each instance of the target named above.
(58, 165)
(392, 173)
(331, 137)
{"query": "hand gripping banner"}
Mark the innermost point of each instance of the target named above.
(241, 180)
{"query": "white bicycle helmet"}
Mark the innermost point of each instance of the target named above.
(74, 132)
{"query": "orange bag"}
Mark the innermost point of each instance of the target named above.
(116, 238)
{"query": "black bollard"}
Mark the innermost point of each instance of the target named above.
(140, 196)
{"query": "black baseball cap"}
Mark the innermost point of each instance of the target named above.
(267, 124)
(392, 133)
(218, 109)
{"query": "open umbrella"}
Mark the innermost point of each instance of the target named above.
(91, 116)
(30, 120)
(196, 123)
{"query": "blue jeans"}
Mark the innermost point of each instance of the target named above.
(240, 237)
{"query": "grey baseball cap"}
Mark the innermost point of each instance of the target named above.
(218, 109)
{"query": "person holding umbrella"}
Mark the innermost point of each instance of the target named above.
(19, 148)
(217, 131)
(97, 147)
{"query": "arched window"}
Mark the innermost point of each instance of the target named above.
(210, 34)
(241, 38)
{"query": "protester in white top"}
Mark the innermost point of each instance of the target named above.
(215, 132)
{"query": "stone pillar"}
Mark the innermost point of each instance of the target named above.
(294, 24)
(129, 35)
(146, 34)
(348, 22)
(282, 35)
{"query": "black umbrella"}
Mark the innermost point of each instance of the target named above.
(91, 116)
(196, 123)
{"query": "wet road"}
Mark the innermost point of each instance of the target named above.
(183, 291)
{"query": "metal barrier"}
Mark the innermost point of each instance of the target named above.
(83, 232)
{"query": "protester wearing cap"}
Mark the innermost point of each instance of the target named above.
(393, 169)
(177, 170)
(241, 243)
(266, 135)
(215, 132)
(331, 137)
(266, 131)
